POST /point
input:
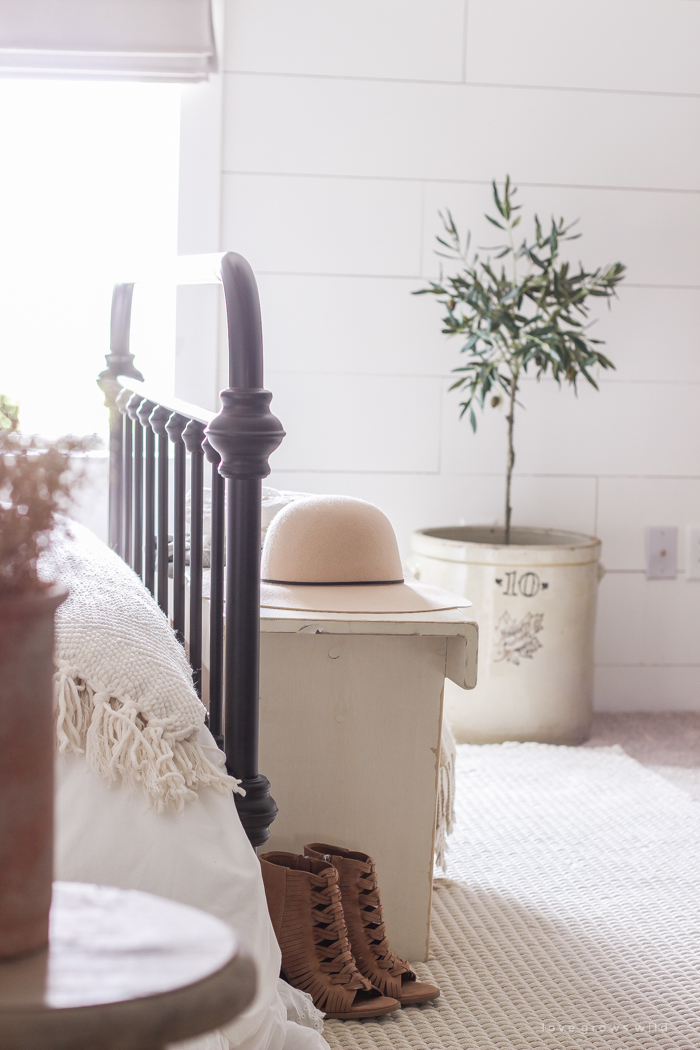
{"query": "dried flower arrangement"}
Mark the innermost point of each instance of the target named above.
(37, 481)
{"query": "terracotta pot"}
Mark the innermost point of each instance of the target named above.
(26, 768)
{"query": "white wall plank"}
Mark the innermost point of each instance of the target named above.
(654, 234)
(346, 226)
(651, 332)
(351, 324)
(415, 39)
(625, 428)
(552, 503)
(647, 688)
(437, 131)
(627, 506)
(644, 621)
(350, 422)
(622, 45)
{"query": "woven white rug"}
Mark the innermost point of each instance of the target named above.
(571, 915)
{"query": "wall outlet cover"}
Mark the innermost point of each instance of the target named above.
(662, 547)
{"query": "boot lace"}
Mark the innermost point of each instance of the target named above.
(330, 934)
(373, 923)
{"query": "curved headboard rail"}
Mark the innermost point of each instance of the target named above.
(237, 441)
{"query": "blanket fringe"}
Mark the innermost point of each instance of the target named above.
(120, 745)
(444, 821)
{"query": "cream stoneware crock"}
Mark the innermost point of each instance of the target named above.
(535, 603)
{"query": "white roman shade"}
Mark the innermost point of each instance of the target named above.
(107, 39)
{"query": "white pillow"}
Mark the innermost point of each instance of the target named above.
(201, 856)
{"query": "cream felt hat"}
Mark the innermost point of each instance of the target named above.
(339, 554)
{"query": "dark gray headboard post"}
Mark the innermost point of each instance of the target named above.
(119, 363)
(238, 442)
(244, 434)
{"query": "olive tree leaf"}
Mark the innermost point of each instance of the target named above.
(531, 313)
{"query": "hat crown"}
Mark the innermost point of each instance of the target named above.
(331, 539)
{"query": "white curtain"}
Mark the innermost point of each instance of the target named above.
(107, 39)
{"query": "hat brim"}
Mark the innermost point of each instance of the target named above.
(407, 597)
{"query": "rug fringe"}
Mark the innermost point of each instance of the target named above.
(120, 745)
(445, 817)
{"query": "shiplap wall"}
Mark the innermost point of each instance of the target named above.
(346, 126)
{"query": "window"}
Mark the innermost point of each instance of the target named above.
(88, 191)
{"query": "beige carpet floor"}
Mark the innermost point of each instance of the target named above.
(570, 916)
(667, 743)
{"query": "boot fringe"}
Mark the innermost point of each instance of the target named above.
(332, 983)
(296, 962)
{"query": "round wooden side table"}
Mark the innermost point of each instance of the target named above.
(124, 970)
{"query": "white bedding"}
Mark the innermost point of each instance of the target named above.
(108, 829)
(111, 834)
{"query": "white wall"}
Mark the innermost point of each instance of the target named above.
(347, 125)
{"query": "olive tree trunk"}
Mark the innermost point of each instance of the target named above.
(511, 455)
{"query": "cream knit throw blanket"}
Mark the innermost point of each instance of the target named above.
(123, 689)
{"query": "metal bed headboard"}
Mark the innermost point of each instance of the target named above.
(237, 443)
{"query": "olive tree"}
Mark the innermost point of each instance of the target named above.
(522, 310)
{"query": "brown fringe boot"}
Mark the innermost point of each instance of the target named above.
(307, 916)
(362, 908)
